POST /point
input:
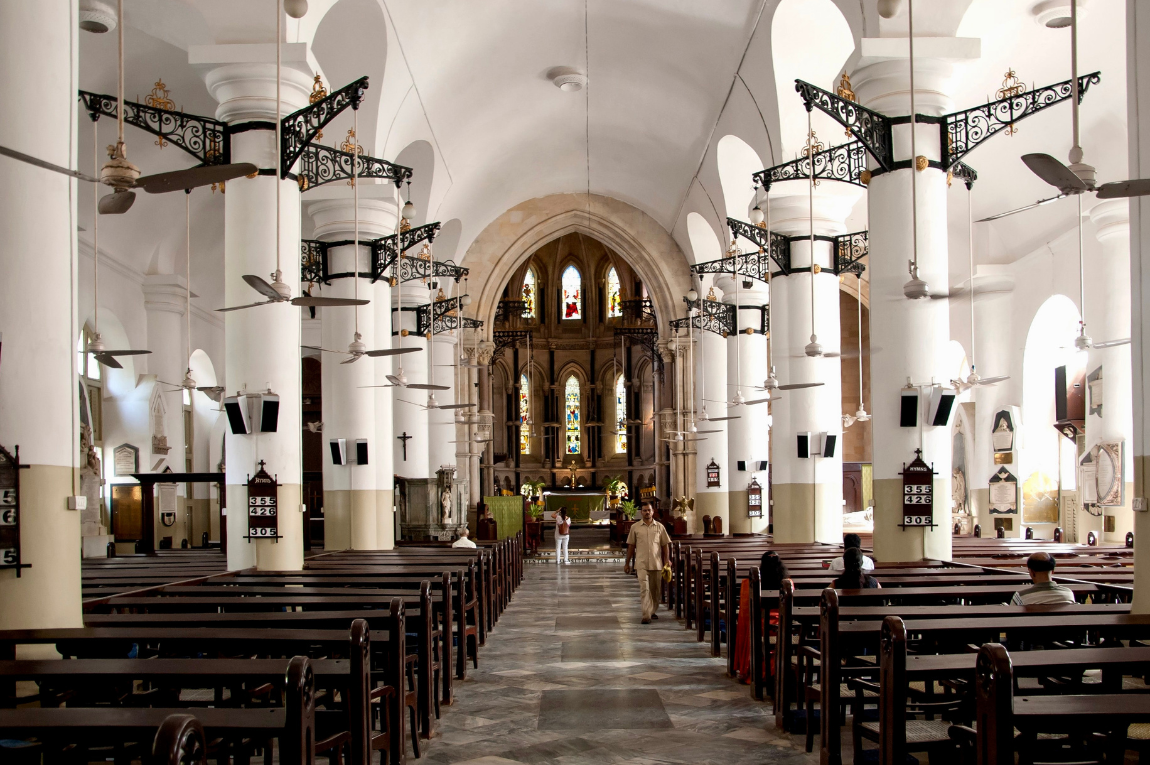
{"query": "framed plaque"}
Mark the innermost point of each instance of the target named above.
(1108, 475)
(712, 474)
(918, 493)
(126, 459)
(1003, 493)
(754, 500)
(263, 506)
(1002, 433)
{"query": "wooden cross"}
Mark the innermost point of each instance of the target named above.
(405, 438)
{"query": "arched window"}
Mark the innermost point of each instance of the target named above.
(524, 415)
(572, 294)
(529, 294)
(614, 299)
(571, 398)
(620, 413)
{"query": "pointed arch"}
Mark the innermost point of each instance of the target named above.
(614, 295)
(530, 294)
(573, 416)
(571, 284)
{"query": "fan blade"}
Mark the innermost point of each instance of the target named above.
(354, 358)
(261, 286)
(456, 406)
(405, 401)
(108, 361)
(325, 350)
(395, 381)
(427, 386)
(1111, 343)
(242, 307)
(796, 386)
(1118, 189)
(116, 203)
(393, 352)
(720, 419)
(326, 302)
(995, 380)
(762, 400)
(194, 177)
(1054, 172)
(124, 353)
(1039, 203)
(378, 386)
(700, 432)
(19, 155)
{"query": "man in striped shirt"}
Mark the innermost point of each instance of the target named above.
(1044, 592)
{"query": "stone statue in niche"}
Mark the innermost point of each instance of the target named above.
(445, 503)
(91, 479)
(158, 410)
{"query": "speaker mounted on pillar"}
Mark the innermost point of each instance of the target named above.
(338, 451)
(236, 407)
(908, 408)
(941, 405)
(804, 446)
(361, 451)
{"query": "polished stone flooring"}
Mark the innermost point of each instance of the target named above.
(570, 676)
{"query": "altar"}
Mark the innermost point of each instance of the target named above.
(582, 506)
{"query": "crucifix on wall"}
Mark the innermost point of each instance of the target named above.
(404, 438)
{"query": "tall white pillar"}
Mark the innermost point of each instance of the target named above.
(350, 491)
(808, 493)
(262, 344)
(1108, 318)
(38, 311)
(409, 419)
(912, 334)
(711, 393)
(384, 454)
(748, 438)
(440, 451)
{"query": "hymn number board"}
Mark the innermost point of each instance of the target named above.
(918, 493)
(263, 506)
(754, 500)
(10, 510)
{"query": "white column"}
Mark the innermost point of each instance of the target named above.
(748, 438)
(1108, 318)
(384, 454)
(711, 393)
(913, 334)
(471, 451)
(808, 493)
(38, 400)
(351, 516)
(262, 344)
(440, 451)
(165, 301)
(408, 418)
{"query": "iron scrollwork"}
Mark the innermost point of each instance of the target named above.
(845, 163)
(411, 269)
(869, 127)
(300, 127)
(710, 315)
(776, 244)
(386, 249)
(965, 130)
(506, 338)
(321, 164)
(850, 249)
(964, 173)
(509, 310)
(752, 265)
(206, 139)
(313, 262)
(648, 337)
(443, 316)
(638, 312)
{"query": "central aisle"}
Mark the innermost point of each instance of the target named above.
(570, 676)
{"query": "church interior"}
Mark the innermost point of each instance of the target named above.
(721, 382)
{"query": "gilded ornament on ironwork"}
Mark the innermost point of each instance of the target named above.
(318, 93)
(816, 269)
(303, 182)
(813, 146)
(845, 93)
(159, 99)
(711, 293)
(425, 255)
(865, 177)
(351, 145)
(1011, 87)
(404, 225)
(949, 178)
(921, 163)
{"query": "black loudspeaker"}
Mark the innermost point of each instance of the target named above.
(763, 465)
(804, 445)
(830, 441)
(237, 410)
(941, 405)
(741, 465)
(361, 451)
(269, 412)
(338, 451)
(908, 408)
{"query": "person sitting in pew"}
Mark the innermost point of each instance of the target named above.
(772, 572)
(851, 542)
(463, 541)
(1040, 565)
(854, 576)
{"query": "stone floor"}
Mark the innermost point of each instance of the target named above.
(570, 676)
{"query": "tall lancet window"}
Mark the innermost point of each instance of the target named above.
(529, 294)
(524, 415)
(572, 294)
(571, 397)
(614, 299)
(620, 414)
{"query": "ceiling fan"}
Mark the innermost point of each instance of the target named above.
(433, 404)
(313, 427)
(278, 291)
(692, 296)
(972, 380)
(861, 415)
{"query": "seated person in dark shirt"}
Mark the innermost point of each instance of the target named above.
(1040, 565)
(853, 577)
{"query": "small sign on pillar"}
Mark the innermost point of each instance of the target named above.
(918, 493)
(712, 474)
(754, 499)
(263, 506)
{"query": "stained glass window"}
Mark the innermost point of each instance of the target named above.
(524, 415)
(572, 294)
(571, 390)
(620, 413)
(529, 294)
(614, 300)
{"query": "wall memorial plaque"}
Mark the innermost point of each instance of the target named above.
(126, 459)
(263, 506)
(754, 500)
(1003, 492)
(918, 493)
(1002, 435)
(1109, 474)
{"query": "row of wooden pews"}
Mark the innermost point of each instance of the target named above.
(902, 659)
(356, 653)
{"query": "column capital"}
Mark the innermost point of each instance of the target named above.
(164, 292)
(1111, 218)
(791, 210)
(242, 78)
(881, 75)
(485, 350)
(332, 209)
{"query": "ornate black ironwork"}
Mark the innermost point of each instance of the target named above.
(386, 249)
(711, 315)
(443, 316)
(299, 128)
(964, 173)
(509, 310)
(648, 337)
(753, 265)
(411, 269)
(965, 130)
(506, 338)
(869, 127)
(780, 249)
(321, 164)
(850, 249)
(638, 312)
(313, 261)
(844, 163)
(206, 139)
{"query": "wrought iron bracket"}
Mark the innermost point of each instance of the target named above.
(506, 338)
(711, 315)
(752, 265)
(845, 163)
(443, 316)
(321, 164)
(648, 337)
(411, 269)
(766, 241)
(300, 127)
(313, 262)
(638, 312)
(508, 310)
(868, 126)
(386, 249)
(206, 139)
(850, 249)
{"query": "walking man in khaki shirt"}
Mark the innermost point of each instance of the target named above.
(648, 547)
